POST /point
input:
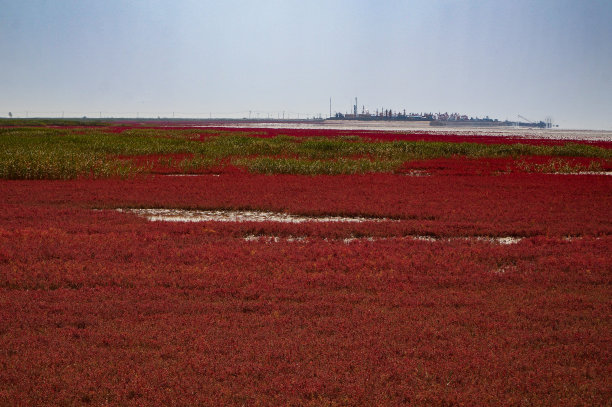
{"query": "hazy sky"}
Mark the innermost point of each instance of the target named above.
(536, 58)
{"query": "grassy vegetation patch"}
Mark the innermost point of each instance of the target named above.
(198, 163)
(269, 165)
(58, 164)
(52, 153)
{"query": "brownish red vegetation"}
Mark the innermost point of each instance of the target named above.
(100, 307)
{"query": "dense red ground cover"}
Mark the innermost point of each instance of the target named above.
(408, 136)
(374, 135)
(178, 318)
(503, 205)
(101, 307)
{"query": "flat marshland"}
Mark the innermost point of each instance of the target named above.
(425, 269)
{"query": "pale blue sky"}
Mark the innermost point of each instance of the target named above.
(497, 58)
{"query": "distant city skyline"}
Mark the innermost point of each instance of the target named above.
(237, 59)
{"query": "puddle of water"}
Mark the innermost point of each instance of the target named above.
(416, 173)
(181, 215)
(502, 270)
(501, 240)
(508, 240)
(425, 238)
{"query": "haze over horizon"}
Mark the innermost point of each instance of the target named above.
(234, 58)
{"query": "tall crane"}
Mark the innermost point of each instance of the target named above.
(532, 123)
(527, 120)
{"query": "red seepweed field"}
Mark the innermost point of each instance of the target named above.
(454, 279)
